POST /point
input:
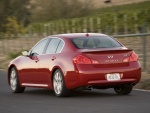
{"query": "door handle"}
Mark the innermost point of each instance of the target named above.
(36, 61)
(53, 58)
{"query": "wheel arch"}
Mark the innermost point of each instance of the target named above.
(64, 91)
(53, 71)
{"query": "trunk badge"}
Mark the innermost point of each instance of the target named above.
(110, 56)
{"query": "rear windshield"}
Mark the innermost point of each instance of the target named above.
(95, 42)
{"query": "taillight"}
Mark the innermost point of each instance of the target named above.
(133, 57)
(94, 61)
(81, 59)
(126, 59)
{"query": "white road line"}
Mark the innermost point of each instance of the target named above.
(2, 70)
(142, 90)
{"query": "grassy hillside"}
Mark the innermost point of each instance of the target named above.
(124, 8)
(100, 3)
(117, 19)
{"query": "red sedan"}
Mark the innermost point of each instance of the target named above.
(79, 60)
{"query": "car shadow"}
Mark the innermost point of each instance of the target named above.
(39, 91)
(92, 93)
(74, 93)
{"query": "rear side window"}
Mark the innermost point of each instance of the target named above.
(52, 46)
(60, 46)
(95, 42)
(55, 46)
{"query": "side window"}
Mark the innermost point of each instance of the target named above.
(60, 46)
(51, 49)
(39, 48)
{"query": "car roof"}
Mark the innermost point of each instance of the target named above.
(77, 35)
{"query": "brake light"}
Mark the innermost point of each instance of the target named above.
(81, 59)
(94, 61)
(133, 57)
(126, 59)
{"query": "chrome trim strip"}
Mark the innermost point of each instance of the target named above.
(29, 84)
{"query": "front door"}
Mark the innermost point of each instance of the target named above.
(30, 73)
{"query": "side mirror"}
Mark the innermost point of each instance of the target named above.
(25, 53)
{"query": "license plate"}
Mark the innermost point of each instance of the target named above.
(113, 77)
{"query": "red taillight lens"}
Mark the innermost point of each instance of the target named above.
(132, 58)
(81, 59)
(94, 61)
(126, 59)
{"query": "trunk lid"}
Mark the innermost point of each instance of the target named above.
(108, 57)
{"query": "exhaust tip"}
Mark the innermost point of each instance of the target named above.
(133, 84)
(89, 87)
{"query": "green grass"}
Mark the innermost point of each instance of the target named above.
(123, 8)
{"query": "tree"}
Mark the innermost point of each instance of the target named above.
(59, 9)
(14, 8)
(12, 26)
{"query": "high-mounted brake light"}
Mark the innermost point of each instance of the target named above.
(81, 59)
(87, 34)
(133, 57)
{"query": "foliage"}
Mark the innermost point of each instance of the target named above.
(125, 22)
(123, 8)
(129, 21)
(13, 8)
(48, 10)
(12, 26)
(61, 16)
(13, 55)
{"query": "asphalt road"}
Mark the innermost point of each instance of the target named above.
(95, 101)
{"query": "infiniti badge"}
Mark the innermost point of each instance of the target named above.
(110, 56)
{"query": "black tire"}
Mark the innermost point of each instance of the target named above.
(59, 85)
(14, 81)
(123, 90)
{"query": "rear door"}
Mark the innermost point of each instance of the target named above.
(49, 59)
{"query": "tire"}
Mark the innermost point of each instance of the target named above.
(123, 90)
(14, 81)
(59, 85)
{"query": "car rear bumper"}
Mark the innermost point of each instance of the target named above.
(86, 75)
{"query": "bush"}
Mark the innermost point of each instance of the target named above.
(13, 27)
(14, 55)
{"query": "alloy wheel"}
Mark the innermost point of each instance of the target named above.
(58, 83)
(13, 80)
